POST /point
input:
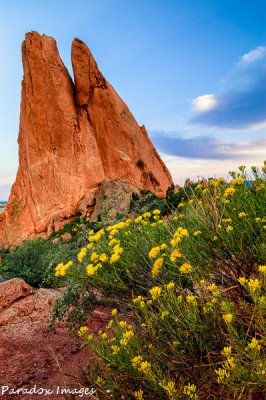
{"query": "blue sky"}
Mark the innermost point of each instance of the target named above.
(194, 72)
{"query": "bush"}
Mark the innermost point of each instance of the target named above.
(197, 279)
(35, 262)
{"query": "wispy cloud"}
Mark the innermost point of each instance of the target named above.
(205, 147)
(242, 103)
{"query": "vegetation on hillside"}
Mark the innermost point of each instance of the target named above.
(189, 295)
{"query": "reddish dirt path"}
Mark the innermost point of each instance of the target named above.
(44, 359)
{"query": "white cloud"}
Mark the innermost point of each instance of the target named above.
(253, 55)
(204, 103)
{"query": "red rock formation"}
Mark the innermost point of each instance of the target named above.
(71, 138)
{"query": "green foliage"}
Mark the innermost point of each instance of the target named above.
(197, 278)
(35, 262)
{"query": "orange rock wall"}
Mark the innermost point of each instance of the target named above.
(71, 138)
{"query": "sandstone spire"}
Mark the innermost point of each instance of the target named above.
(70, 139)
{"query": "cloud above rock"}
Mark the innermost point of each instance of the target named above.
(205, 147)
(241, 105)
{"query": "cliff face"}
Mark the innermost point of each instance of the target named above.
(71, 138)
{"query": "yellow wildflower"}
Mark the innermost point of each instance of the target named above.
(155, 292)
(139, 395)
(223, 375)
(156, 212)
(229, 192)
(83, 330)
(228, 318)
(262, 269)
(254, 285)
(229, 228)
(94, 257)
(237, 181)
(90, 245)
(157, 267)
(212, 287)
(154, 252)
(136, 361)
(185, 268)
(202, 282)
(110, 324)
(254, 344)
(174, 255)
(90, 270)
(242, 281)
(197, 233)
(114, 258)
(242, 214)
(145, 367)
(114, 312)
(103, 257)
(113, 241)
(138, 219)
(191, 299)
(163, 246)
(82, 254)
(115, 349)
(170, 286)
(226, 352)
(181, 205)
(170, 388)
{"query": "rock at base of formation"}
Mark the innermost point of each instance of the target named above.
(71, 138)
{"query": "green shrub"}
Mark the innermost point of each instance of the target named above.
(197, 279)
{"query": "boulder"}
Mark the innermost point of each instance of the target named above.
(11, 291)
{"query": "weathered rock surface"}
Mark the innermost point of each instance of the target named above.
(29, 353)
(71, 138)
(112, 197)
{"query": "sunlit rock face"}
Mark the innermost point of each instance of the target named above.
(72, 136)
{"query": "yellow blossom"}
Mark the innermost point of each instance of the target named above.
(237, 181)
(202, 282)
(185, 268)
(163, 246)
(114, 312)
(191, 299)
(223, 375)
(94, 257)
(196, 233)
(155, 292)
(82, 254)
(242, 214)
(145, 367)
(254, 285)
(228, 318)
(226, 352)
(138, 219)
(254, 344)
(154, 252)
(103, 257)
(157, 265)
(181, 205)
(156, 212)
(242, 281)
(115, 349)
(136, 361)
(174, 255)
(170, 286)
(90, 270)
(212, 287)
(83, 330)
(262, 269)
(229, 228)
(114, 258)
(229, 192)
(90, 245)
(110, 324)
(139, 395)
